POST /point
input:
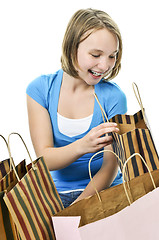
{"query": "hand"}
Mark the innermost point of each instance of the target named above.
(98, 137)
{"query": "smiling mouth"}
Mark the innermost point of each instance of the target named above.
(96, 74)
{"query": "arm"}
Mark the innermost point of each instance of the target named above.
(42, 138)
(104, 177)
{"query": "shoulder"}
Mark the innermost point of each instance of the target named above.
(43, 82)
(114, 98)
(39, 88)
(110, 88)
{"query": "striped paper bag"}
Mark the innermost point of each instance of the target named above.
(7, 181)
(7, 227)
(134, 136)
(33, 201)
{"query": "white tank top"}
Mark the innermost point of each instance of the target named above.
(73, 127)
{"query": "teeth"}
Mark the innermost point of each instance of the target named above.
(95, 73)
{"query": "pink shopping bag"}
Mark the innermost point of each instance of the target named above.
(137, 221)
(66, 228)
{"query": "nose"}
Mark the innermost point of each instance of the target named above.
(105, 64)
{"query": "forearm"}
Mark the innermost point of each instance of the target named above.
(104, 177)
(101, 180)
(61, 157)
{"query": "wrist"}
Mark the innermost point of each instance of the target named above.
(80, 148)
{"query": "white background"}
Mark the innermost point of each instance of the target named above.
(31, 34)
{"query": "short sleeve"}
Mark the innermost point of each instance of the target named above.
(38, 90)
(117, 103)
(112, 98)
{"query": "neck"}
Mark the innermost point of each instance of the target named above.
(75, 84)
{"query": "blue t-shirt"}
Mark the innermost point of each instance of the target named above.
(45, 90)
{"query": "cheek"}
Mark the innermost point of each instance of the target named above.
(113, 63)
(84, 62)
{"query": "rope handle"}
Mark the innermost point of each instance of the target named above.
(90, 174)
(113, 134)
(123, 172)
(103, 115)
(11, 159)
(138, 97)
(101, 108)
(7, 148)
(4, 140)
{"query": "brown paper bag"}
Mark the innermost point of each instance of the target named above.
(134, 137)
(112, 200)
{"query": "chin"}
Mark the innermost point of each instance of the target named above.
(92, 82)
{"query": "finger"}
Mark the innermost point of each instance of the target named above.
(102, 145)
(104, 131)
(105, 140)
(106, 125)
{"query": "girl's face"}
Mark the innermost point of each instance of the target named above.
(96, 56)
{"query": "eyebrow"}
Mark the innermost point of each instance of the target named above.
(100, 51)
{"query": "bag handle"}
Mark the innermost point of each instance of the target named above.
(11, 159)
(138, 97)
(113, 134)
(90, 174)
(123, 172)
(7, 148)
(101, 108)
(4, 140)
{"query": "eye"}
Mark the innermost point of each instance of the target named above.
(111, 57)
(95, 56)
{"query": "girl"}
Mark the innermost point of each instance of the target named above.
(65, 120)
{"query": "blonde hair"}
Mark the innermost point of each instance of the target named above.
(80, 25)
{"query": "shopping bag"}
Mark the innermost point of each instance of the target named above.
(7, 226)
(69, 226)
(109, 201)
(134, 136)
(33, 201)
(131, 216)
(7, 181)
(112, 200)
(137, 221)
